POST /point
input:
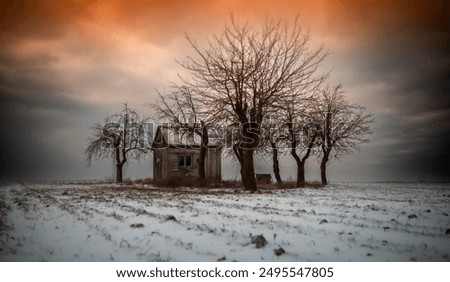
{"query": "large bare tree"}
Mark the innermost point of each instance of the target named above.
(121, 136)
(343, 126)
(243, 74)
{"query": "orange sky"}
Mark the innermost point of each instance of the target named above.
(142, 38)
(162, 20)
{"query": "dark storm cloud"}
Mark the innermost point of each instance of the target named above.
(413, 102)
(24, 152)
(393, 58)
(420, 93)
(57, 78)
(45, 115)
(37, 120)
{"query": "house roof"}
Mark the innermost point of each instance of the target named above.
(175, 135)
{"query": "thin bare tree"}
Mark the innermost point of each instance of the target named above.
(344, 126)
(302, 146)
(274, 137)
(302, 133)
(121, 136)
(243, 74)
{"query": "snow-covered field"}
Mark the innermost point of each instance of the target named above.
(107, 222)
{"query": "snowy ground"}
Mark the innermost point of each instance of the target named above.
(343, 222)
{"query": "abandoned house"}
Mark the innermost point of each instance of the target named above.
(176, 152)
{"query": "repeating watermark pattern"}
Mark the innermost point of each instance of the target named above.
(250, 135)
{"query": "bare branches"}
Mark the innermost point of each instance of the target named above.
(121, 136)
(344, 126)
(245, 74)
(245, 69)
(184, 107)
(100, 143)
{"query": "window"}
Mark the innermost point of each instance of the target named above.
(184, 161)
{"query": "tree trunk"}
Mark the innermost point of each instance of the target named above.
(239, 153)
(248, 171)
(243, 177)
(201, 164)
(250, 138)
(326, 149)
(301, 174)
(300, 168)
(301, 165)
(276, 164)
(119, 178)
(203, 150)
(323, 172)
(119, 164)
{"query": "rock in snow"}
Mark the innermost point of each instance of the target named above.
(278, 252)
(259, 241)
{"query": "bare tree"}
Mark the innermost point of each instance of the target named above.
(304, 144)
(344, 126)
(184, 106)
(293, 128)
(302, 133)
(274, 137)
(243, 74)
(121, 136)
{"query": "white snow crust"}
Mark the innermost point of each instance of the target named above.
(108, 222)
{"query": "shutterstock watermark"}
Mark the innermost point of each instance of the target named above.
(249, 135)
